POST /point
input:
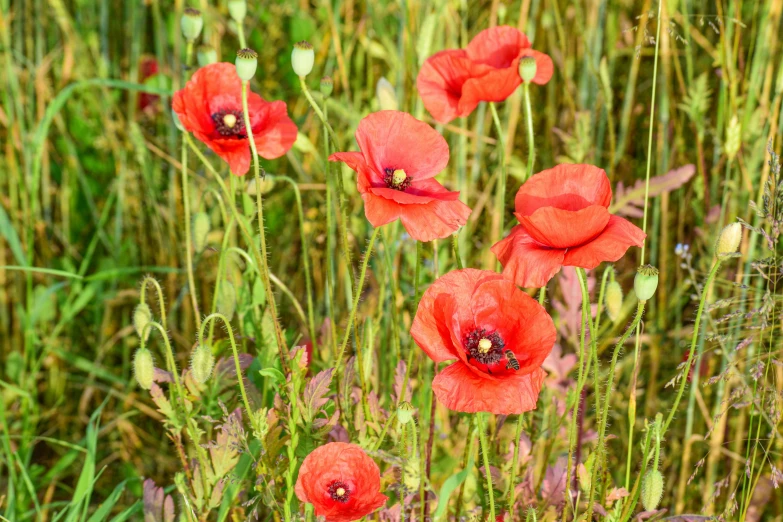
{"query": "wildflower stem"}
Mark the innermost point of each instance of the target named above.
(455, 248)
(188, 235)
(317, 109)
(500, 202)
(161, 303)
(264, 266)
(403, 451)
(531, 146)
(487, 470)
(512, 493)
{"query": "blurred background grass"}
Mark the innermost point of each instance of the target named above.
(89, 193)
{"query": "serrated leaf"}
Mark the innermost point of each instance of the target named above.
(629, 202)
(315, 393)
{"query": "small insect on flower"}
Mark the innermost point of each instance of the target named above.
(513, 362)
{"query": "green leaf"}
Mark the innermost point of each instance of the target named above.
(274, 374)
(451, 484)
(10, 235)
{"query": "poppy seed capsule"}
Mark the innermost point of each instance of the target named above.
(201, 363)
(614, 300)
(646, 282)
(405, 412)
(227, 299)
(201, 227)
(246, 64)
(142, 316)
(143, 368)
(303, 58)
(729, 240)
(652, 489)
(237, 9)
(327, 86)
(206, 55)
(191, 24)
(527, 68)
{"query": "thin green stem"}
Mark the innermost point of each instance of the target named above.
(188, 236)
(500, 202)
(512, 493)
(317, 109)
(487, 469)
(161, 303)
(531, 144)
(403, 451)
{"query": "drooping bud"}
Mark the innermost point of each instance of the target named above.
(191, 24)
(201, 363)
(405, 412)
(143, 368)
(227, 299)
(177, 122)
(142, 316)
(614, 300)
(527, 68)
(303, 58)
(201, 227)
(327, 86)
(652, 489)
(387, 98)
(729, 240)
(237, 9)
(206, 55)
(646, 282)
(246, 63)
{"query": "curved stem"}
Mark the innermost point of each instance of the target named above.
(487, 470)
(317, 109)
(161, 302)
(531, 146)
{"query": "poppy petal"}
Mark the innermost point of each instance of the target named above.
(495, 86)
(460, 389)
(379, 210)
(440, 83)
(497, 46)
(273, 131)
(525, 261)
(566, 186)
(618, 236)
(558, 228)
(434, 220)
(397, 140)
(545, 68)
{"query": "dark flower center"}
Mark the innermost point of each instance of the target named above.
(339, 491)
(230, 123)
(396, 179)
(484, 347)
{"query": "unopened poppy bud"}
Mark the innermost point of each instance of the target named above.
(142, 316)
(652, 489)
(502, 12)
(206, 55)
(246, 63)
(201, 363)
(614, 300)
(646, 282)
(303, 58)
(227, 299)
(191, 24)
(143, 368)
(733, 138)
(405, 412)
(200, 230)
(327, 86)
(237, 9)
(729, 240)
(177, 122)
(387, 98)
(527, 68)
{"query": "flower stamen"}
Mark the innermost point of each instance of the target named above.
(485, 348)
(339, 491)
(396, 179)
(230, 123)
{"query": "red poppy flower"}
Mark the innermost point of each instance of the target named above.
(498, 334)
(148, 68)
(210, 106)
(564, 221)
(341, 482)
(399, 158)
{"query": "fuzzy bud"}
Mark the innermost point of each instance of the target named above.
(646, 282)
(237, 9)
(191, 24)
(201, 363)
(527, 68)
(142, 316)
(143, 368)
(405, 412)
(733, 138)
(729, 240)
(206, 55)
(327, 86)
(246, 63)
(614, 300)
(387, 98)
(652, 489)
(201, 226)
(227, 299)
(303, 58)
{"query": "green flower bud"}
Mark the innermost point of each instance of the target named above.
(652, 489)
(733, 138)
(237, 9)
(206, 55)
(327, 86)
(201, 363)
(405, 412)
(246, 63)
(729, 240)
(227, 299)
(614, 300)
(201, 226)
(527, 68)
(387, 98)
(502, 13)
(303, 58)
(646, 282)
(177, 121)
(142, 316)
(191, 24)
(143, 368)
